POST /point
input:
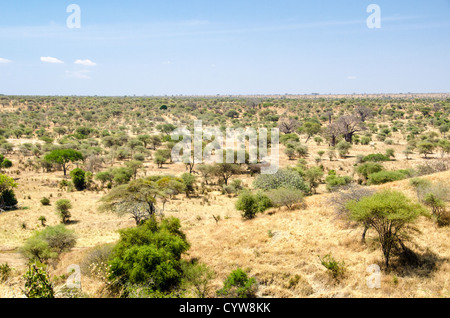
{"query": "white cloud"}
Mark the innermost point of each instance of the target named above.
(4, 61)
(85, 62)
(53, 60)
(351, 77)
(83, 74)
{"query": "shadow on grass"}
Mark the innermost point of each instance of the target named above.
(71, 222)
(409, 263)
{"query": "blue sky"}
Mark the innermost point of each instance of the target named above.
(223, 47)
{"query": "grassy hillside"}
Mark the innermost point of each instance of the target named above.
(281, 248)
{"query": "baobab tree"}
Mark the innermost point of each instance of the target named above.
(348, 125)
(331, 133)
(363, 112)
(288, 125)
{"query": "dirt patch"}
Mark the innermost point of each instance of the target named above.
(13, 258)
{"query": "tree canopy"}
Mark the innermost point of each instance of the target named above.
(64, 157)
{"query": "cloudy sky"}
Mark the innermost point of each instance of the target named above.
(197, 47)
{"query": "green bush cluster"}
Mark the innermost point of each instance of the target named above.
(283, 178)
(378, 157)
(238, 285)
(387, 176)
(250, 204)
(48, 244)
(149, 254)
(333, 181)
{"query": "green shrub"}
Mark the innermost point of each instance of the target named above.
(343, 148)
(198, 277)
(5, 272)
(390, 153)
(263, 202)
(48, 243)
(6, 164)
(104, 177)
(42, 219)
(8, 197)
(285, 197)
(386, 176)
(234, 187)
(365, 140)
(368, 168)
(378, 157)
(251, 204)
(286, 138)
(336, 268)
(333, 182)
(149, 254)
(238, 285)
(45, 201)
(78, 179)
(62, 208)
(314, 177)
(283, 178)
(189, 182)
(37, 283)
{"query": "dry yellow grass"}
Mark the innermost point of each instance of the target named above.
(285, 263)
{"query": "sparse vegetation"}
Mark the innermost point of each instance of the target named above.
(335, 154)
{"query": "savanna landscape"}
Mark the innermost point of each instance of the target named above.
(357, 208)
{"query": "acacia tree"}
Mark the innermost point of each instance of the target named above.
(64, 157)
(388, 213)
(137, 198)
(346, 194)
(426, 148)
(225, 170)
(310, 128)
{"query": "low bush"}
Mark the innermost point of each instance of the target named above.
(365, 169)
(250, 204)
(149, 255)
(285, 197)
(45, 201)
(333, 182)
(386, 176)
(283, 178)
(37, 283)
(378, 157)
(48, 244)
(336, 268)
(8, 198)
(238, 285)
(5, 272)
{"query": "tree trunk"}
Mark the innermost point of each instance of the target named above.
(348, 137)
(333, 141)
(363, 238)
